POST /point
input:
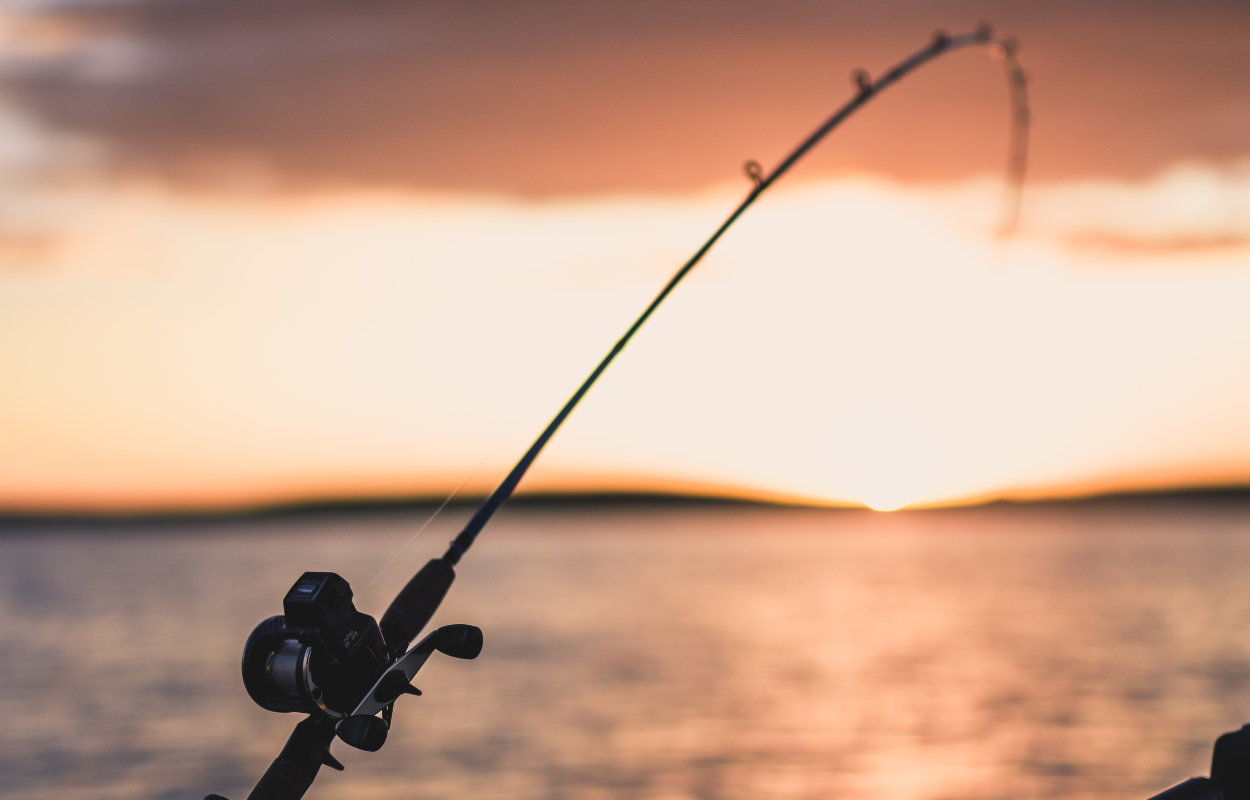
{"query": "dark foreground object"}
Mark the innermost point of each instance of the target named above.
(1230, 773)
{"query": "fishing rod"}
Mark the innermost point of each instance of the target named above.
(324, 658)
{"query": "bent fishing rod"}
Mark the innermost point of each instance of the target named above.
(324, 658)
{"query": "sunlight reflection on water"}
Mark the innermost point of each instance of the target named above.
(658, 652)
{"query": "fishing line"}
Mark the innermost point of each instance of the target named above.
(434, 516)
(1018, 147)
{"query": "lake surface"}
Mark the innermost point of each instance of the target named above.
(656, 651)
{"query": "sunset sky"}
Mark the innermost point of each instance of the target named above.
(301, 249)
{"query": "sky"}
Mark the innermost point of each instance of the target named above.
(285, 251)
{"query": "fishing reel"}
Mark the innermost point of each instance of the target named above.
(325, 658)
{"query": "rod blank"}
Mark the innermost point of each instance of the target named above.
(1001, 50)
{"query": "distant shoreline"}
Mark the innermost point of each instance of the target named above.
(1223, 495)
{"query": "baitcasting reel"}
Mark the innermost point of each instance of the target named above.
(325, 658)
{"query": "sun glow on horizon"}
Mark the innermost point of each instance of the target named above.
(886, 505)
(849, 340)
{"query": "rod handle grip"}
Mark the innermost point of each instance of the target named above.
(414, 606)
(284, 780)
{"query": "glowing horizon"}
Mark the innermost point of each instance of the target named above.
(853, 341)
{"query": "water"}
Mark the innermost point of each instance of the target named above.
(1085, 651)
